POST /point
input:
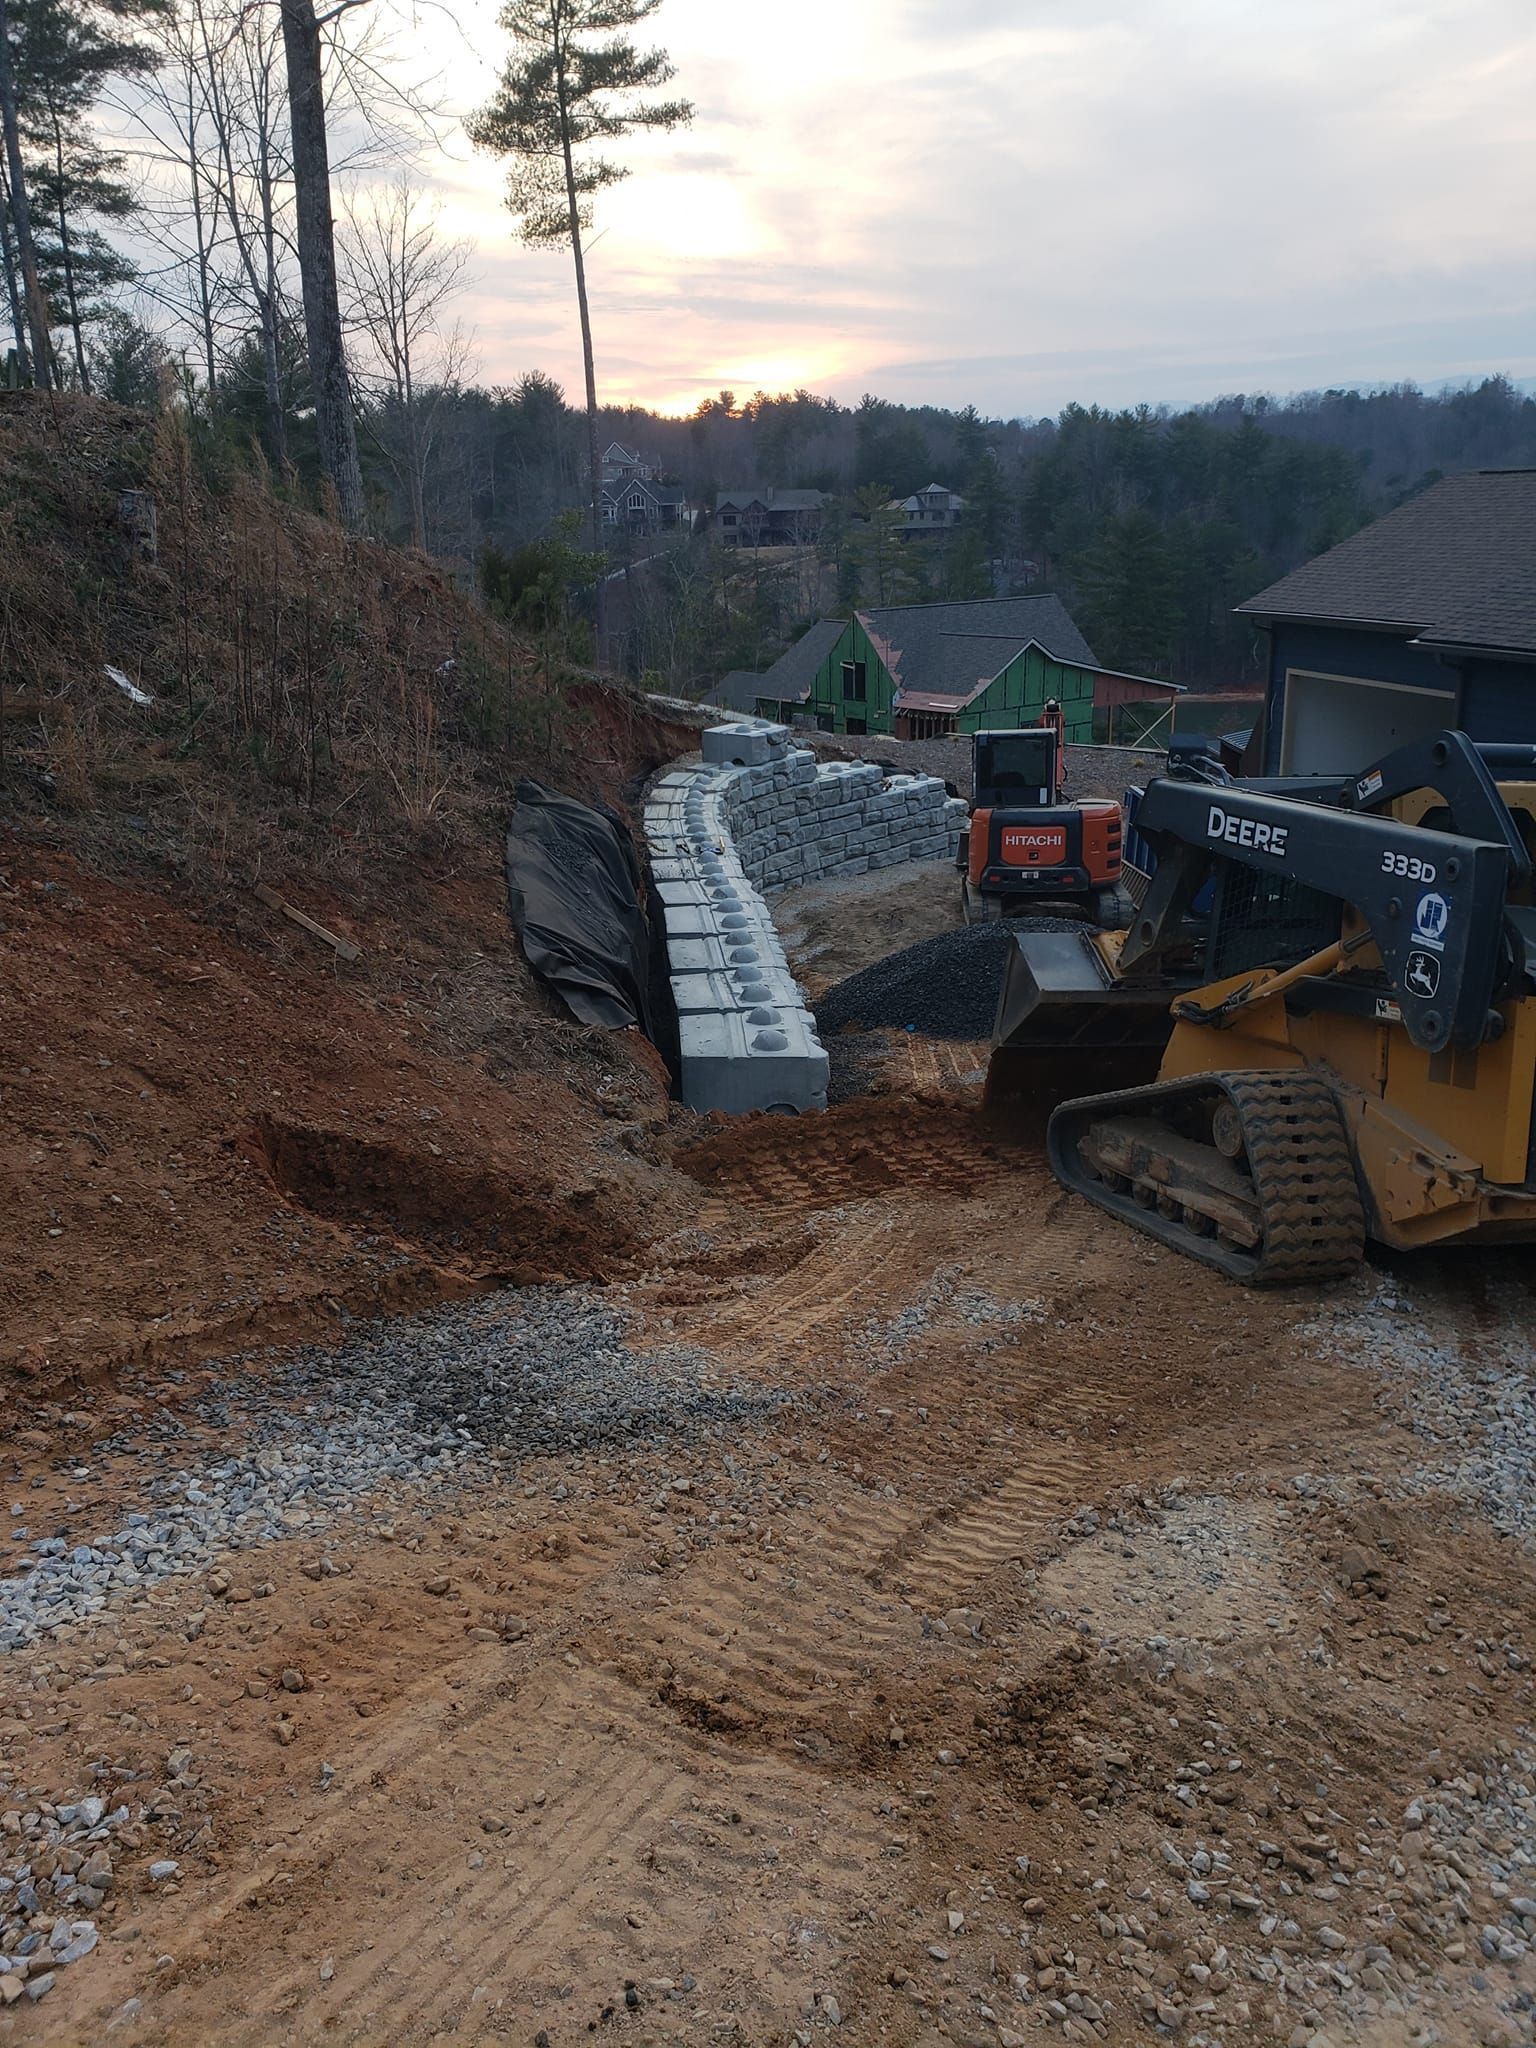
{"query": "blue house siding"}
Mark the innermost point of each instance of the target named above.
(1344, 651)
(1498, 700)
(1495, 700)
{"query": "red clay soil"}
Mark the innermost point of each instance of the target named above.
(214, 1133)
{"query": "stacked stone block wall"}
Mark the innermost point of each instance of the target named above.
(758, 814)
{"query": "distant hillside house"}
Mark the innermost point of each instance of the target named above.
(621, 465)
(642, 506)
(768, 519)
(921, 671)
(934, 509)
(1423, 620)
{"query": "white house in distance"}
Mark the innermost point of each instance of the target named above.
(621, 465)
(933, 509)
(632, 496)
(643, 506)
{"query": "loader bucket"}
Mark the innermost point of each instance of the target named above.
(1067, 1026)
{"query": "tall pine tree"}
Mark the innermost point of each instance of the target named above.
(56, 56)
(574, 81)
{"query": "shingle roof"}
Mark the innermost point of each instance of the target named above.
(1455, 565)
(772, 501)
(738, 690)
(951, 649)
(790, 678)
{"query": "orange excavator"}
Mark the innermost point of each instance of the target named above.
(1026, 845)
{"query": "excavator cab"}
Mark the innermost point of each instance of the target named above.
(1017, 768)
(1026, 845)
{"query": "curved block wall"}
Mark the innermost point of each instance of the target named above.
(759, 814)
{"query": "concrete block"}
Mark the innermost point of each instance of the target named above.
(675, 893)
(712, 954)
(740, 989)
(762, 1058)
(744, 743)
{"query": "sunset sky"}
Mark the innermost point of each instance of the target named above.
(1023, 202)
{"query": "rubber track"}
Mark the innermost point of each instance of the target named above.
(1298, 1154)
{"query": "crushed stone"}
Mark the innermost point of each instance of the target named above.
(944, 987)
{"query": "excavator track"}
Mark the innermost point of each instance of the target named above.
(1251, 1173)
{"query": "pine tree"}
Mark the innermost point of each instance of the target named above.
(55, 58)
(1130, 597)
(571, 83)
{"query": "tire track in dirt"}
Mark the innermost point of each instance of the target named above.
(742, 1643)
(625, 1862)
(932, 1144)
(863, 1255)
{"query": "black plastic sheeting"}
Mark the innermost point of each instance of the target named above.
(574, 887)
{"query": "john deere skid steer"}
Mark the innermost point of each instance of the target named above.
(1336, 1039)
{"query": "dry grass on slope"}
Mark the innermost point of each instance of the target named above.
(314, 693)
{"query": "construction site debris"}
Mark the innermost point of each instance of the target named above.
(397, 1406)
(343, 948)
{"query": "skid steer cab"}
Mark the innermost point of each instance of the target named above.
(1026, 846)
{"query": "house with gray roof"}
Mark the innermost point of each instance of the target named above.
(1422, 620)
(921, 671)
(933, 509)
(642, 505)
(768, 518)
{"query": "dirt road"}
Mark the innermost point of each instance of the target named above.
(903, 1607)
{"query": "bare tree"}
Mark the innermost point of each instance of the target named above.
(334, 423)
(398, 276)
(173, 137)
(245, 107)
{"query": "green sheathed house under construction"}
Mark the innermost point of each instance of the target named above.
(922, 671)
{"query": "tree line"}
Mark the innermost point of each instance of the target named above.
(299, 305)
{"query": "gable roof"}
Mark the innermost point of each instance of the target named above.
(737, 690)
(1455, 567)
(617, 452)
(789, 679)
(792, 675)
(952, 650)
(621, 486)
(771, 501)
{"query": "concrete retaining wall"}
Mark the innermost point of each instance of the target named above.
(759, 814)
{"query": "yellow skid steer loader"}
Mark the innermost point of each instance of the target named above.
(1329, 991)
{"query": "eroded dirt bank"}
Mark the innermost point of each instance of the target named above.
(214, 1133)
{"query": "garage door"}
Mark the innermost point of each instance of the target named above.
(1338, 724)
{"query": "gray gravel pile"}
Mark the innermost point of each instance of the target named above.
(1489, 1827)
(552, 1378)
(1467, 1391)
(56, 1871)
(396, 1405)
(945, 987)
(296, 1476)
